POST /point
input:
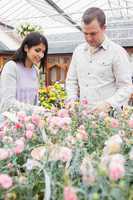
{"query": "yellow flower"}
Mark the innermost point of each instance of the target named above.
(41, 90)
(114, 148)
(51, 95)
(57, 86)
(22, 180)
(42, 98)
(45, 90)
(107, 122)
(52, 98)
(11, 196)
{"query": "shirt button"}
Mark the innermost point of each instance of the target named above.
(86, 85)
(90, 61)
(88, 73)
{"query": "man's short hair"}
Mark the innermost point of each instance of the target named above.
(94, 13)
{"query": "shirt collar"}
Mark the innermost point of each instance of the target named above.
(104, 45)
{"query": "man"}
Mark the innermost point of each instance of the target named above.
(99, 68)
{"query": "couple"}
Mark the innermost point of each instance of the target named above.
(99, 67)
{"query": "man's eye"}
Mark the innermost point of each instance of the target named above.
(93, 34)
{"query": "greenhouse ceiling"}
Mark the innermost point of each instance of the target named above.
(59, 16)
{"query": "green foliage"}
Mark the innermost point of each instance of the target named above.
(27, 28)
(52, 96)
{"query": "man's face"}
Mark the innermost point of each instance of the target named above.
(94, 33)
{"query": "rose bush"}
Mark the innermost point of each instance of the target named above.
(69, 154)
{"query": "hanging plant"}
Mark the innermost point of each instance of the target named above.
(27, 28)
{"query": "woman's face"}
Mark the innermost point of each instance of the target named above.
(35, 54)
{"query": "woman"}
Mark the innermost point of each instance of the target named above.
(19, 78)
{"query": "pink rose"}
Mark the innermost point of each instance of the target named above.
(36, 119)
(84, 102)
(19, 146)
(5, 181)
(22, 116)
(65, 154)
(1, 134)
(38, 153)
(3, 154)
(10, 165)
(114, 123)
(64, 122)
(86, 112)
(69, 194)
(116, 171)
(70, 140)
(82, 134)
(63, 113)
(30, 126)
(29, 134)
(130, 123)
(59, 122)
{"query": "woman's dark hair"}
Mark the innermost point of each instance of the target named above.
(94, 13)
(32, 39)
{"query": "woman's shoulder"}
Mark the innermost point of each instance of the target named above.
(9, 69)
(10, 66)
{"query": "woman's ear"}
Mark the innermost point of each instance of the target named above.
(25, 48)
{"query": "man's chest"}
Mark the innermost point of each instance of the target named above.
(98, 65)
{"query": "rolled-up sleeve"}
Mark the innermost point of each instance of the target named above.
(123, 77)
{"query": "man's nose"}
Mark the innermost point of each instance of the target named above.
(89, 37)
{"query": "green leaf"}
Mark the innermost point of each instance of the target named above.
(117, 194)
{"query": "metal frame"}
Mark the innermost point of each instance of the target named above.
(58, 11)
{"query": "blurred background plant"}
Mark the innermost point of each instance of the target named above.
(52, 96)
(26, 28)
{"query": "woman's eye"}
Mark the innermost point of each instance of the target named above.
(37, 50)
